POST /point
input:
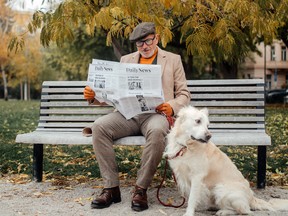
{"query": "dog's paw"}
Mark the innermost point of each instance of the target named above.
(188, 214)
(223, 212)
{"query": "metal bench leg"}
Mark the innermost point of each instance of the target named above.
(261, 174)
(37, 162)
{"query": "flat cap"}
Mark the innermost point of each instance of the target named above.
(142, 30)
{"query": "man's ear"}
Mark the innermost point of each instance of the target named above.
(205, 111)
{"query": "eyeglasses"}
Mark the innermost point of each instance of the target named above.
(148, 42)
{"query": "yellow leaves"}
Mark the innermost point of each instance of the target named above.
(117, 13)
(167, 36)
(19, 179)
(16, 43)
(79, 201)
(41, 194)
(278, 178)
(198, 42)
(103, 18)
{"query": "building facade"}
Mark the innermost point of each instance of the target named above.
(272, 65)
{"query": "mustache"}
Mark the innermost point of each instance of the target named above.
(146, 49)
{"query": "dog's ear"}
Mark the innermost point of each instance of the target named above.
(205, 111)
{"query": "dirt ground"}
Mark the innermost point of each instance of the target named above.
(37, 199)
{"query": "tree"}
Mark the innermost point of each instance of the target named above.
(71, 61)
(216, 31)
(23, 67)
(6, 22)
(26, 67)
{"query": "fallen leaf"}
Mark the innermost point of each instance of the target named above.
(162, 212)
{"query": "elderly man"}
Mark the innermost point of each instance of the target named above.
(153, 126)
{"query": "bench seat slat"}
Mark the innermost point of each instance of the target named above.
(67, 138)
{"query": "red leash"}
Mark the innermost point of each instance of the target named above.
(170, 120)
(161, 184)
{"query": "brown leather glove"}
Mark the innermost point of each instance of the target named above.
(89, 94)
(165, 108)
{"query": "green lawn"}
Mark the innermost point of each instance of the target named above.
(79, 162)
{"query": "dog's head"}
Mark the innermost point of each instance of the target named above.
(192, 123)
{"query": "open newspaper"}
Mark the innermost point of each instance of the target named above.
(131, 88)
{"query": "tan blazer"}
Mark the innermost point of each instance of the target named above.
(174, 82)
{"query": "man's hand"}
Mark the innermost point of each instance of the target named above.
(89, 94)
(165, 108)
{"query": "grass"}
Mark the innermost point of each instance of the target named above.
(78, 162)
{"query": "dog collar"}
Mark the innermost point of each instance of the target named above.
(179, 153)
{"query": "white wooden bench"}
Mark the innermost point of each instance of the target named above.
(236, 113)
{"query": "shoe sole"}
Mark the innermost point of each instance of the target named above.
(138, 209)
(94, 206)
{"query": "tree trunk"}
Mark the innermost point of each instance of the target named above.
(29, 90)
(25, 91)
(5, 84)
(21, 90)
(118, 49)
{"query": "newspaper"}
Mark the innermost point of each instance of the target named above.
(131, 88)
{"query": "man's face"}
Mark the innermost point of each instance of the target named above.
(147, 46)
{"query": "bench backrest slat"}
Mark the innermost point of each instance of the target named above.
(227, 96)
(76, 111)
(225, 89)
(63, 89)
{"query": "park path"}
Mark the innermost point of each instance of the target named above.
(44, 199)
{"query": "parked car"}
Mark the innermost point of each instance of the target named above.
(276, 95)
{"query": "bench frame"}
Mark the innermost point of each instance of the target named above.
(236, 107)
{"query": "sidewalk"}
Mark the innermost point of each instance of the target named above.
(44, 199)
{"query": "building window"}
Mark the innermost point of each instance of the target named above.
(273, 55)
(268, 81)
(283, 53)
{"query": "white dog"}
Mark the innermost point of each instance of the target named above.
(204, 174)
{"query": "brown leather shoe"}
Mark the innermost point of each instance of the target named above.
(139, 199)
(106, 198)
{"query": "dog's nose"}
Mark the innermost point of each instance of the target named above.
(208, 136)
